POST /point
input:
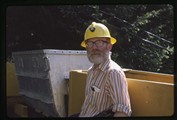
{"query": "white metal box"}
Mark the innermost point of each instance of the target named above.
(41, 75)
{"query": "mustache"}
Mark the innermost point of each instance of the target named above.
(92, 54)
(95, 53)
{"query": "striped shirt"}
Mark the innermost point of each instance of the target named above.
(106, 87)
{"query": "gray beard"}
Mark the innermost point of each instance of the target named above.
(97, 57)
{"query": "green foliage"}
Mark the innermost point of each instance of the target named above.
(141, 43)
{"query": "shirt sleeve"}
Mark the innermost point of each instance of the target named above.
(119, 92)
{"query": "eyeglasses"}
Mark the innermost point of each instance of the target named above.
(98, 43)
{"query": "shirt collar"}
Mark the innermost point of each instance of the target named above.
(103, 66)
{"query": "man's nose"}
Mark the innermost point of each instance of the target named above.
(94, 47)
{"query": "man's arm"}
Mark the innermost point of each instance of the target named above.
(119, 92)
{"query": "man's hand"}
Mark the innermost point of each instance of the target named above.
(120, 114)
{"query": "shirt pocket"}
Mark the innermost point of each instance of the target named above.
(95, 98)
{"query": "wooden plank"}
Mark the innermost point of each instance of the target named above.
(11, 101)
(21, 110)
(12, 84)
(150, 98)
(152, 76)
(76, 91)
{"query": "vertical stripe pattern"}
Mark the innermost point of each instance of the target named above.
(111, 89)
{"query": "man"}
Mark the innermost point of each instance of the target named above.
(106, 85)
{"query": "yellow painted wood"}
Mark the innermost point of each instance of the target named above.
(10, 104)
(152, 76)
(148, 98)
(21, 110)
(12, 84)
(77, 84)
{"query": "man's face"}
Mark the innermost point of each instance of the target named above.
(98, 49)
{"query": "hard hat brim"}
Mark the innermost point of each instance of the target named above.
(112, 40)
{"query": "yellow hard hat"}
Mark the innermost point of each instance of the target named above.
(97, 30)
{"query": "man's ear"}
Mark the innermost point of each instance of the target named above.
(109, 47)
